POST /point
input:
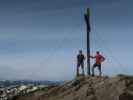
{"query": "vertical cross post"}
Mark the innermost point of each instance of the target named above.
(87, 20)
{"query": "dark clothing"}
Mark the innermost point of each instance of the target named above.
(80, 63)
(99, 68)
(80, 58)
(97, 65)
(82, 67)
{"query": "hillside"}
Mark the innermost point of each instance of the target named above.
(89, 88)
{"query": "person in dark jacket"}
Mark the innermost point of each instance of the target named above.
(80, 62)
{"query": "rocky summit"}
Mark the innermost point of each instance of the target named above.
(88, 88)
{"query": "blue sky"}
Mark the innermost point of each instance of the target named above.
(39, 39)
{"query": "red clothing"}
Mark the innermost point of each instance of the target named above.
(99, 59)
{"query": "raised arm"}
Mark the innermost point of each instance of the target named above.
(92, 57)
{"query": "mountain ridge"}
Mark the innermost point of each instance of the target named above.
(119, 87)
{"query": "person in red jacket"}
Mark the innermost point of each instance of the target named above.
(98, 61)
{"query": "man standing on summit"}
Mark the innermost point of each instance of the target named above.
(80, 62)
(98, 61)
